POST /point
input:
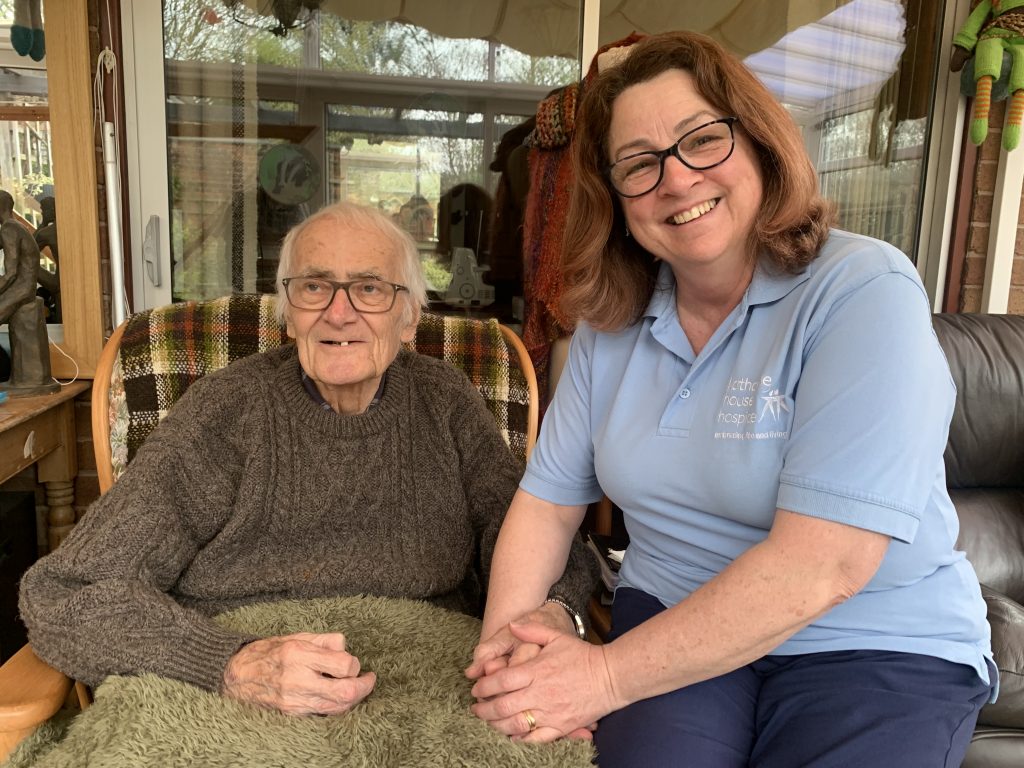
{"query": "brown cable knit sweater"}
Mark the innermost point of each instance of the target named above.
(249, 492)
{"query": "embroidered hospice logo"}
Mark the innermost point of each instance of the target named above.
(752, 409)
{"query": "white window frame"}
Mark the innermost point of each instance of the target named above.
(146, 139)
(938, 202)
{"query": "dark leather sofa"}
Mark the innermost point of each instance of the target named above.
(985, 476)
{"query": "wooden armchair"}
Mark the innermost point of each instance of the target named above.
(155, 355)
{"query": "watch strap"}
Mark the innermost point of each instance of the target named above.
(577, 621)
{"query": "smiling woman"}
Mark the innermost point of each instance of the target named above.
(693, 215)
(765, 179)
(728, 328)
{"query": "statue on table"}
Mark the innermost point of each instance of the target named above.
(21, 309)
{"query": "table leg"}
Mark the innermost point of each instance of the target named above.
(60, 496)
(57, 472)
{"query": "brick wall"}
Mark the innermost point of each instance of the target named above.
(973, 276)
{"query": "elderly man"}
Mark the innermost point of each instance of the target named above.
(341, 464)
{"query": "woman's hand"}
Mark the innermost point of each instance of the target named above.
(300, 674)
(504, 649)
(562, 691)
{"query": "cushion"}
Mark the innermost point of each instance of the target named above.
(418, 714)
(165, 349)
(986, 361)
(1006, 617)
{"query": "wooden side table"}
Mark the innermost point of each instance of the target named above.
(40, 430)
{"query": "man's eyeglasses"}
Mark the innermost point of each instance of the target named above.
(702, 148)
(370, 296)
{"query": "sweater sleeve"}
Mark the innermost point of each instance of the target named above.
(490, 476)
(99, 604)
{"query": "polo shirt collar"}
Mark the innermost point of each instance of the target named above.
(665, 327)
(663, 299)
(768, 284)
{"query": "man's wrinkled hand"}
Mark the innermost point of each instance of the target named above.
(504, 649)
(300, 674)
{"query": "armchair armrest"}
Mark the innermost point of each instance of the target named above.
(1006, 617)
(31, 692)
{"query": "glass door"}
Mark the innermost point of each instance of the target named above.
(263, 118)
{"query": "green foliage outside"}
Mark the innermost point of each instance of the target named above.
(437, 276)
(31, 185)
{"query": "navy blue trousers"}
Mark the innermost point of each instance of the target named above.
(848, 708)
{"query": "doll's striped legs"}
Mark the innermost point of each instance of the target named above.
(988, 67)
(1014, 117)
(982, 106)
(1015, 112)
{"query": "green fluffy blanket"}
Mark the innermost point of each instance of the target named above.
(418, 714)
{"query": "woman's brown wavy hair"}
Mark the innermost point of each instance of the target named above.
(609, 277)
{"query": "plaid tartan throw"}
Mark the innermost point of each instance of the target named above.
(164, 350)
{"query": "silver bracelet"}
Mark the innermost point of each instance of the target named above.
(577, 622)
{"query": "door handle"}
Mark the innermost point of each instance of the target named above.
(151, 250)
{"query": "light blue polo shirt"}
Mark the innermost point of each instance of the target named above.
(824, 393)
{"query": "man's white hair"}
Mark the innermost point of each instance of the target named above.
(354, 216)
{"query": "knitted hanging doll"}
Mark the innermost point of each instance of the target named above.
(993, 27)
(27, 30)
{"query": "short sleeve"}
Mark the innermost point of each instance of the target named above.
(871, 411)
(561, 467)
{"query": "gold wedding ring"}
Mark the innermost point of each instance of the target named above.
(530, 719)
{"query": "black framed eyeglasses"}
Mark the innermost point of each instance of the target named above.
(369, 295)
(702, 148)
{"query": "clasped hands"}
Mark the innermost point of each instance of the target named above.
(537, 681)
(299, 674)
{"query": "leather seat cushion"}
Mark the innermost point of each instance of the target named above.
(995, 748)
(1006, 617)
(992, 535)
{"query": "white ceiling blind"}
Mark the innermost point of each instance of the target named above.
(551, 27)
(806, 51)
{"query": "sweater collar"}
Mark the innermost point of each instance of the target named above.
(288, 381)
(317, 398)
